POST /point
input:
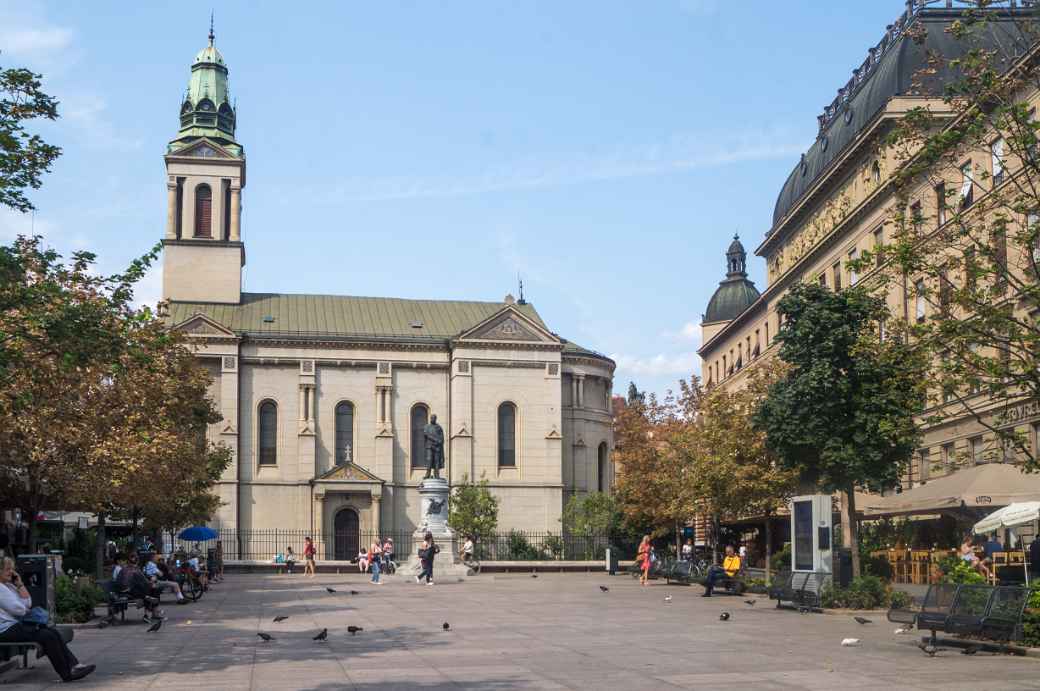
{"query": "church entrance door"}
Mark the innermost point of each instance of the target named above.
(346, 535)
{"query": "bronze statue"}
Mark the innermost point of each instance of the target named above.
(434, 438)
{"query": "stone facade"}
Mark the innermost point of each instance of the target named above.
(303, 357)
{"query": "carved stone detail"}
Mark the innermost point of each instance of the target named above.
(507, 329)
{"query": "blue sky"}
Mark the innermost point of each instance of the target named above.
(605, 151)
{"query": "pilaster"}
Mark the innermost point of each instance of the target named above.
(306, 438)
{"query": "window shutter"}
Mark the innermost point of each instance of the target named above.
(203, 211)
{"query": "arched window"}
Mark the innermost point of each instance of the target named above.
(507, 435)
(268, 436)
(203, 211)
(344, 433)
(420, 418)
(601, 468)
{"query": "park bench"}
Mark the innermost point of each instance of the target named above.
(9, 651)
(684, 572)
(974, 611)
(799, 588)
(118, 601)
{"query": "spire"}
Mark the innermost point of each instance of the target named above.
(211, 36)
(207, 109)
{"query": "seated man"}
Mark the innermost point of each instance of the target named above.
(160, 580)
(134, 583)
(198, 569)
(730, 568)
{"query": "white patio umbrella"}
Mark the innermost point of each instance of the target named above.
(1011, 516)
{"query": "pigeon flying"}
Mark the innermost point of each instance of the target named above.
(331, 590)
(354, 629)
(267, 638)
(724, 616)
(156, 626)
(324, 635)
(862, 620)
(604, 588)
(280, 619)
(749, 603)
(445, 626)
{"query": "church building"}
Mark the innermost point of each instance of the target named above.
(324, 397)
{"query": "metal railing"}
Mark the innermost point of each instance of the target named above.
(265, 545)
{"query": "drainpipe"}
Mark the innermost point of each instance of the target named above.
(238, 453)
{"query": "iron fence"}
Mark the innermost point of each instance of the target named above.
(265, 545)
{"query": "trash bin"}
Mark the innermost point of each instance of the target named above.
(38, 573)
(612, 560)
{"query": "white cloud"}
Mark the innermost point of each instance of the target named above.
(678, 153)
(690, 332)
(660, 365)
(87, 114)
(33, 42)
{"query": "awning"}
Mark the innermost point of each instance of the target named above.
(981, 486)
(1010, 516)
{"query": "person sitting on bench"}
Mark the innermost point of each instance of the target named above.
(15, 603)
(160, 580)
(730, 568)
(136, 585)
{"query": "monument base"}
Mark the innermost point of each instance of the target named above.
(434, 492)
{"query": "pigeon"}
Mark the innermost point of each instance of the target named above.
(534, 575)
(749, 603)
(330, 590)
(803, 610)
(280, 619)
(354, 592)
(724, 616)
(863, 620)
(901, 631)
(354, 630)
(849, 642)
(667, 598)
(105, 623)
(156, 626)
(928, 648)
(970, 650)
(604, 588)
(324, 635)
(267, 638)
(445, 626)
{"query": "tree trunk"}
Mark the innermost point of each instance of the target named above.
(678, 541)
(769, 547)
(849, 529)
(133, 528)
(101, 548)
(715, 540)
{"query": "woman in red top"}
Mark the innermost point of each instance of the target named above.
(643, 559)
(308, 557)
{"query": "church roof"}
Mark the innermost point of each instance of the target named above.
(362, 317)
(733, 296)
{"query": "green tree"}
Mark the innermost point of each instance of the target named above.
(24, 157)
(591, 514)
(843, 414)
(473, 509)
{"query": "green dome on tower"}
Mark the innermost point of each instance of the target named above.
(735, 293)
(207, 109)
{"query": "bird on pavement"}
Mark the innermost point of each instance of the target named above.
(534, 575)
(331, 590)
(354, 592)
(604, 588)
(724, 616)
(324, 635)
(267, 638)
(354, 630)
(862, 620)
(970, 650)
(156, 626)
(445, 626)
(928, 648)
(900, 631)
(667, 598)
(280, 619)
(749, 603)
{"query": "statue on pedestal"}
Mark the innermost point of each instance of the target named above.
(433, 435)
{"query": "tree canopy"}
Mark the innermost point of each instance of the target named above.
(24, 157)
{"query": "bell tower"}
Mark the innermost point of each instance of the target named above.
(203, 253)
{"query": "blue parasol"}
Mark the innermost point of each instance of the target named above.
(198, 533)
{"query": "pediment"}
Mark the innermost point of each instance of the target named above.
(205, 148)
(201, 325)
(351, 472)
(509, 324)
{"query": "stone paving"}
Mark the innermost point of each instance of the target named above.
(557, 631)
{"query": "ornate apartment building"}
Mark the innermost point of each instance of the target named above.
(839, 201)
(324, 397)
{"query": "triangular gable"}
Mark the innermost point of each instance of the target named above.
(509, 324)
(350, 472)
(200, 325)
(205, 148)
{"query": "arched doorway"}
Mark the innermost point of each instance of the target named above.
(346, 535)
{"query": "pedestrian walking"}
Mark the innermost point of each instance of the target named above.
(375, 557)
(644, 559)
(308, 557)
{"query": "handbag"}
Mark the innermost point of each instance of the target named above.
(37, 616)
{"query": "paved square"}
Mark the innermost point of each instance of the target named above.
(558, 631)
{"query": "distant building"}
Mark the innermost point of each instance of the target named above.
(324, 397)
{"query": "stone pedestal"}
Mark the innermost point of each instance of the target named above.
(434, 495)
